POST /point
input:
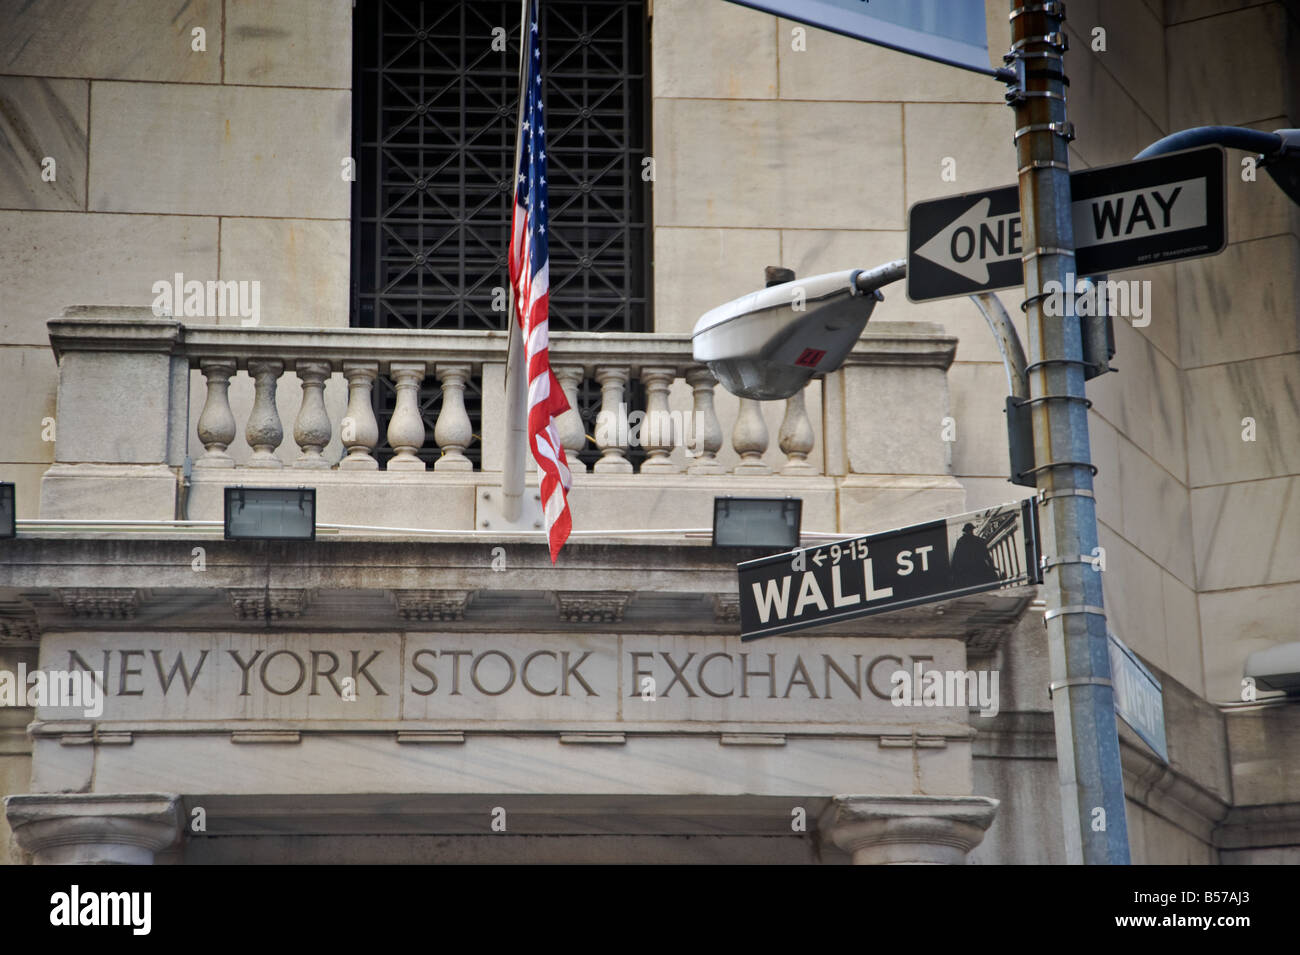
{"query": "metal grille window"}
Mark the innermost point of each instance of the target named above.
(436, 108)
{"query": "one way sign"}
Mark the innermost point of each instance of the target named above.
(1125, 216)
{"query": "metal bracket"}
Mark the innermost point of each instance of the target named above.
(1014, 77)
(1056, 40)
(1065, 464)
(1032, 55)
(1063, 129)
(1033, 94)
(1038, 250)
(1033, 401)
(1044, 164)
(1047, 563)
(1053, 8)
(1077, 681)
(488, 516)
(1074, 608)
(1045, 496)
(1055, 361)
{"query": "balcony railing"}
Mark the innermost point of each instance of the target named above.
(138, 395)
(407, 358)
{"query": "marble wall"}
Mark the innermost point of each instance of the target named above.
(1240, 354)
(216, 155)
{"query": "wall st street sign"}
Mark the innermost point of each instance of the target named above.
(1127, 216)
(1139, 698)
(982, 550)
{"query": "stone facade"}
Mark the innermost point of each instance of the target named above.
(772, 147)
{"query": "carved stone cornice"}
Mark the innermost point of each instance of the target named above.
(259, 603)
(102, 603)
(18, 624)
(432, 604)
(726, 608)
(591, 606)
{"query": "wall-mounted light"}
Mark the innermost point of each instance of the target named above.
(772, 523)
(270, 513)
(1276, 668)
(8, 511)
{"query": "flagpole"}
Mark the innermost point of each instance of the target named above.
(516, 438)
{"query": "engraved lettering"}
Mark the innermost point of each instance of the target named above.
(523, 673)
(572, 671)
(244, 668)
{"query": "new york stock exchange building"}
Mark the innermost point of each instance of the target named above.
(263, 245)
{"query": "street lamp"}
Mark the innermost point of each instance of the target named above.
(768, 344)
(1279, 151)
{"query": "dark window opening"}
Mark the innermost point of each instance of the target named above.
(435, 109)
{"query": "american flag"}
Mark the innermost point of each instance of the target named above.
(530, 282)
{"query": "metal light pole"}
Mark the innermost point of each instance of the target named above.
(1087, 740)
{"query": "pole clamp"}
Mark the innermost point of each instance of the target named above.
(1019, 96)
(1045, 250)
(1044, 495)
(1053, 8)
(1064, 129)
(1033, 55)
(1057, 41)
(1047, 563)
(1043, 164)
(1074, 608)
(1077, 681)
(1054, 361)
(1063, 464)
(1033, 401)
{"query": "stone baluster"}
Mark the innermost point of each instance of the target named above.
(796, 436)
(611, 424)
(658, 435)
(749, 438)
(705, 438)
(264, 431)
(216, 427)
(572, 434)
(312, 430)
(406, 428)
(359, 431)
(453, 431)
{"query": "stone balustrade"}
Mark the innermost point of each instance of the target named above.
(289, 405)
(406, 359)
